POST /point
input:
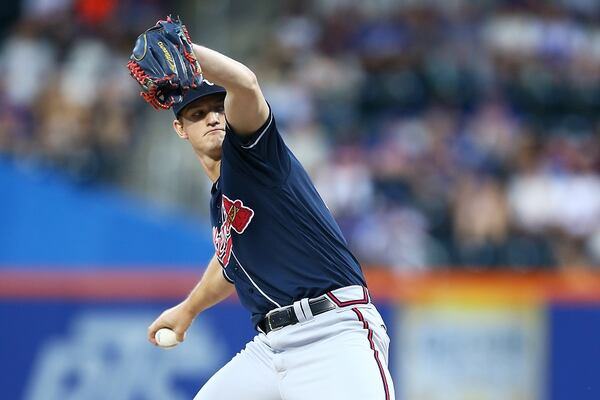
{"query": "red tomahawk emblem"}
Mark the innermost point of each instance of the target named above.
(237, 215)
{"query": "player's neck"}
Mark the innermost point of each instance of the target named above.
(211, 167)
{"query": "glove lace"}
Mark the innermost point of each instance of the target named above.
(137, 72)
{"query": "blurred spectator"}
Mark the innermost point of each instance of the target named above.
(480, 219)
(28, 61)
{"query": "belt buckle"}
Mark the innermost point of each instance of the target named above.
(271, 329)
(269, 318)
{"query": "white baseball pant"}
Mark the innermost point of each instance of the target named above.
(340, 354)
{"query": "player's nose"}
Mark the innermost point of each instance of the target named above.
(212, 118)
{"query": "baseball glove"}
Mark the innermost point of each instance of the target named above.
(164, 64)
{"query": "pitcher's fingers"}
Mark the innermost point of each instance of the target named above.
(152, 329)
(180, 335)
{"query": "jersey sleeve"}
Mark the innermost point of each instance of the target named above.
(262, 155)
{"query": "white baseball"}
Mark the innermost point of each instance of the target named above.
(166, 337)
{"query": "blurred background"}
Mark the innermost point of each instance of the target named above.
(456, 142)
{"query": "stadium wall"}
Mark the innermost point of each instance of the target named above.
(82, 335)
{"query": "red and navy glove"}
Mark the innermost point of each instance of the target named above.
(164, 64)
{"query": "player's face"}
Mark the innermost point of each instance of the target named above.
(203, 122)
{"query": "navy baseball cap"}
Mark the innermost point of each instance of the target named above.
(205, 89)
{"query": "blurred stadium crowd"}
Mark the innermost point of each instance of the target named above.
(440, 133)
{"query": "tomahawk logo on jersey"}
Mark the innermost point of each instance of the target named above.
(235, 216)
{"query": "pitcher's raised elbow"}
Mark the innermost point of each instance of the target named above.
(250, 81)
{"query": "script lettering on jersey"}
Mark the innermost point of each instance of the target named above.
(235, 215)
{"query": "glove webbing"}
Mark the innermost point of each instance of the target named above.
(151, 95)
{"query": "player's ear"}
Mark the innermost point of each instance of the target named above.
(178, 127)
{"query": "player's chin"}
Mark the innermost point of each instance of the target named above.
(214, 145)
(216, 139)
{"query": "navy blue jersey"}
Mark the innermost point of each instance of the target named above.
(274, 237)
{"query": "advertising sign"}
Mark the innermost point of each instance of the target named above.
(453, 349)
(91, 351)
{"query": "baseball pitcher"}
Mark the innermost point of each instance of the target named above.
(276, 243)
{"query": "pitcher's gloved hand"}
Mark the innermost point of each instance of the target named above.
(164, 64)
